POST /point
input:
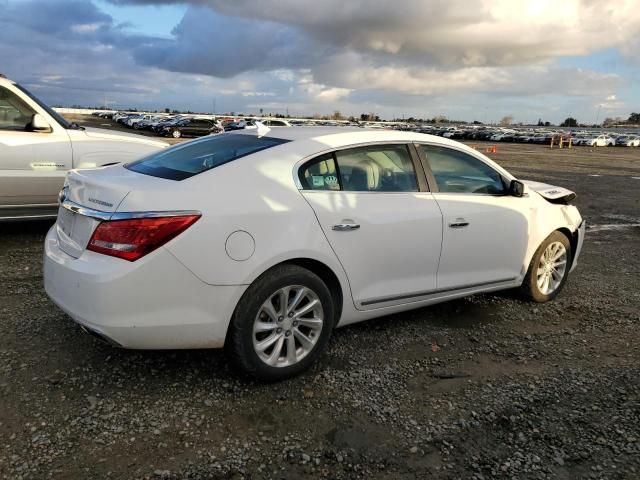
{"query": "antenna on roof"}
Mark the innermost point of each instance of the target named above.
(261, 129)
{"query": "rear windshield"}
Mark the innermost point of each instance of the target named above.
(184, 161)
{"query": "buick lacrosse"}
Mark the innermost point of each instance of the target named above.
(263, 242)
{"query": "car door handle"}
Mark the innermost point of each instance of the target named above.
(459, 223)
(345, 227)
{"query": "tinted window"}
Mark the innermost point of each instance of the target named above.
(459, 172)
(379, 168)
(189, 159)
(320, 174)
(14, 113)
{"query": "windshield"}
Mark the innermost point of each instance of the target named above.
(192, 158)
(56, 116)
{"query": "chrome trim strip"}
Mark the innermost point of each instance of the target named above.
(27, 217)
(104, 216)
(29, 205)
(433, 292)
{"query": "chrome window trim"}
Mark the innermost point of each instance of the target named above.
(105, 216)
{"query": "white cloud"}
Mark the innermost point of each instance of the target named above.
(416, 57)
(86, 27)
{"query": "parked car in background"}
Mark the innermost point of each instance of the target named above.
(603, 140)
(191, 127)
(160, 125)
(38, 147)
(239, 125)
(628, 141)
(263, 242)
(276, 123)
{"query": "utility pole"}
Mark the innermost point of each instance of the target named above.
(598, 114)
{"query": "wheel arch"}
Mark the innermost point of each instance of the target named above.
(322, 270)
(327, 275)
(573, 240)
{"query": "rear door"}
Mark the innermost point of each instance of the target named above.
(32, 164)
(382, 222)
(198, 128)
(485, 231)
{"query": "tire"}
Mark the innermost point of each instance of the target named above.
(176, 133)
(531, 288)
(251, 325)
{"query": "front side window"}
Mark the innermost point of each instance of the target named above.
(189, 159)
(458, 172)
(50, 111)
(15, 114)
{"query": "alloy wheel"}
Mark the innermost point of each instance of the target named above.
(551, 268)
(288, 326)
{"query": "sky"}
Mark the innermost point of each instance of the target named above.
(464, 59)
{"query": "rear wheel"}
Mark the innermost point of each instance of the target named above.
(549, 269)
(282, 323)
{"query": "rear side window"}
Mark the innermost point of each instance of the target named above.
(375, 168)
(379, 168)
(320, 174)
(192, 158)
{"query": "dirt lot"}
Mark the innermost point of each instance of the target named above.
(485, 387)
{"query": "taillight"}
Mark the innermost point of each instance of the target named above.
(132, 239)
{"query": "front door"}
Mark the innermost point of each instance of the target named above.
(32, 164)
(485, 231)
(385, 229)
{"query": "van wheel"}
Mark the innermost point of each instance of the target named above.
(282, 324)
(548, 270)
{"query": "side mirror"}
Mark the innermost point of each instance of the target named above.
(39, 124)
(516, 188)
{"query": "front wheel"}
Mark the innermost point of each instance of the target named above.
(548, 270)
(282, 324)
(176, 134)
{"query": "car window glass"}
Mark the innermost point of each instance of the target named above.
(320, 174)
(458, 172)
(191, 158)
(15, 114)
(378, 168)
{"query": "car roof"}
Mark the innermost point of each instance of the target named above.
(336, 137)
(309, 141)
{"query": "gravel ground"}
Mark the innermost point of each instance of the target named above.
(484, 387)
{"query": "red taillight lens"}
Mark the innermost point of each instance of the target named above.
(132, 239)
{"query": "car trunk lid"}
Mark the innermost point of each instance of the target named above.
(89, 197)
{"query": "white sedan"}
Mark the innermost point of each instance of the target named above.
(599, 141)
(264, 241)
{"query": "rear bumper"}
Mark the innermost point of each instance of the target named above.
(153, 303)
